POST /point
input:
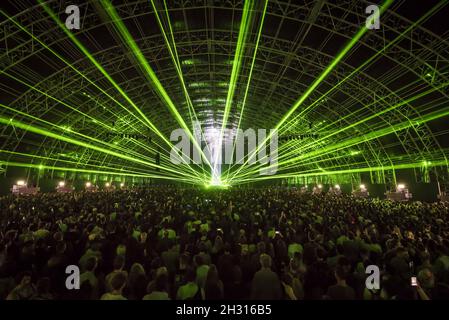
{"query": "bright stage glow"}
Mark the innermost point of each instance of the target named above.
(88, 184)
(61, 183)
(107, 184)
(21, 183)
(362, 187)
(401, 187)
(320, 186)
(122, 185)
(213, 137)
(337, 186)
(221, 185)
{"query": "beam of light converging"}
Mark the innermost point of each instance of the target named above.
(395, 160)
(411, 165)
(259, 34)
(44, 132)
(101, 172)
(380, 113)
(98, 122)
(106, 75)
(314, 85)
(426, 16)
(95, 120)
(77, 110)
(443, 112)
(406, 101)
(373, 58)
(93, 83)
(76, 163)
(307, 159)
(236, 65)
(323, 151)
(371, 135)
(175, 58)
(149, 73)
(376, 115)
(66, 130)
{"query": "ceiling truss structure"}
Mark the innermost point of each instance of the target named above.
(381, 108)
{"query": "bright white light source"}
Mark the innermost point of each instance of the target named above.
(215, 152)
(20, 183)
(320, 186)
(337, 186)
(401, 187)
(61, 183)
(88, 184)
(362, 187)
(122, 185)
(107, 184)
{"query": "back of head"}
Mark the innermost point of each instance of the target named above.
(202, 247)
(43, 285)
(91, 263)
(212, 275)
(61, 247)
(190, 275)
(342, 271)
(198, 260)
(265, 261)
(184, 260)
(236, 274)
(161, 282)
(261, 247)
(137, 269)
(85, 291)
(118, 281)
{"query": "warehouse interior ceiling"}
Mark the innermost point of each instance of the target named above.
(342, 99)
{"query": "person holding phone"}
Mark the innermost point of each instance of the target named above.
(424, 283)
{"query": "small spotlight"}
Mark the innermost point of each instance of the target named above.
(337, 186)
(107, 184)
(122, 185)
(362, 187)
(20, 183)
(320, 186)
(401, 187)
(61, 183)
(88, 184)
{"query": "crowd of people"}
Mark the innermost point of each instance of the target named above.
(167, 242)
